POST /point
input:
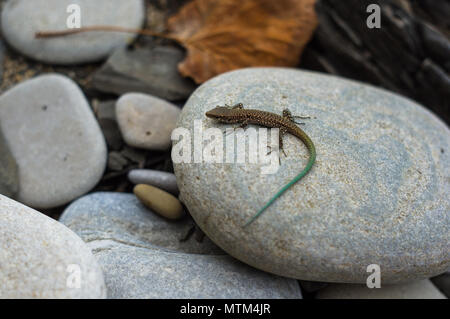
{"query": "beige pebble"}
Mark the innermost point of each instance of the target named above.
(159, 201)
(146, 121)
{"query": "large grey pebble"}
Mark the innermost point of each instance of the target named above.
(133, 272)
(377, 194)
(41, 258)
(163, 180)
(55, 139)
(142, 256)
(146, 70)
(146, 121)
(421, 289)
(21, 19)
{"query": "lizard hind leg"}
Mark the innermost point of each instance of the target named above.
(283, 132)
(270, 152)
(287, 114)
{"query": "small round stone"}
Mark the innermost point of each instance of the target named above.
(54, 138)
(159, 201)
(146, 121)
(21, 19)
(166, 181)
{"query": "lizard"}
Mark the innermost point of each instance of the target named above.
(237, 114)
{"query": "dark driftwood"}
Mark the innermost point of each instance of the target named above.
(409, 54)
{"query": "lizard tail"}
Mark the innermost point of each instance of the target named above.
(308, 167)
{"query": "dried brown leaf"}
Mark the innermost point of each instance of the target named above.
(229, 34)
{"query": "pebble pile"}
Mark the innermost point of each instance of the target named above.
(92, 206)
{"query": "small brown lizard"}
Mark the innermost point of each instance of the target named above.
(286, 124)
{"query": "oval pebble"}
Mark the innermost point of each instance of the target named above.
(21, 19)
(55, 139)
(159, 201)
(164, 180)
(41, 258)
(146, 121)
(377, 193)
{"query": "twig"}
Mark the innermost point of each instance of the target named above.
(53, 34)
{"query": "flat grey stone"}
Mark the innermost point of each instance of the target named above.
(106, 115)
(105, 110)
(164, 180)
(116, 161)
(422, 289)
(377, 194)
(133, 272)
(135, 155)
(41, 258)
(55, 139)
(21, 19)
(9, 174)
(146, 121)
(121, 218)
(142, 255)
(147, 70)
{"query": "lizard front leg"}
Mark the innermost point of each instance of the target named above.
(236, 106)
(243, 125)
(283, 132)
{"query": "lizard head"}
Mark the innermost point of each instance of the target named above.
(225, 114)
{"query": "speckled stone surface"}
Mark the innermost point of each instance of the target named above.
(142, 256)
(377, 194)
(133, 272)
(54, 138)
(421, 289)
(40, 257)
(21, 19)
(146, 121)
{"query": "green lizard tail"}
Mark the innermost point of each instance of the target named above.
(308, 167)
